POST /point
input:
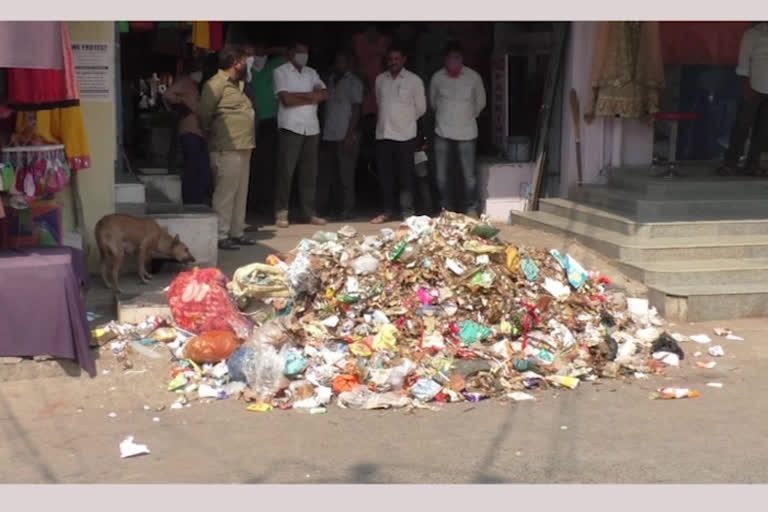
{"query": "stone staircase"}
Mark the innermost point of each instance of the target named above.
(699, 242)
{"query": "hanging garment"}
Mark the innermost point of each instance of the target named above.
(61, 126)
(31, 44)
(208, 35)
(627, 72)
(201, 35)
(142, 26)
(34, 89)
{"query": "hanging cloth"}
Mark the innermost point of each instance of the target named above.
(216, 34)
(34, 89)
(201, 35)
(208, 35)
(61, 126)
(142, 26)
(627, 72)
(31, 44)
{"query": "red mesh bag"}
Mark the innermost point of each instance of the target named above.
(200, 302)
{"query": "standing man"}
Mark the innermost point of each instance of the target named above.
(263, 61)
(227, 118)
(341, 135)
(184, 95)
(753, 67)
(299, 91)
(457, 95)
(401, 102)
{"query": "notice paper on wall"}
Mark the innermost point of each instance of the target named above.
(94, 67)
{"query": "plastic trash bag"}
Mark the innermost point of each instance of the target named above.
(425, 390)
(386, 338)
(530, 269)
(365, 264)
(275, 332)
(472, 332)
(263, 369)
(237, 360)
(200, 302)
(211, 347)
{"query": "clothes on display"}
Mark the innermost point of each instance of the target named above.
(60, 126)
(627, 72)
(208, 35)
(33, 172)
(34, 89)
(41, 42)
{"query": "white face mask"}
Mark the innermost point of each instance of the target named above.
(197, 76)
(301, 59)
(259, 63)
(248, 66)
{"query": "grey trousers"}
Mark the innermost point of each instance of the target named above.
(300, 151)
(337, 172)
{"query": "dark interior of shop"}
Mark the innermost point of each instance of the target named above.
(149, 135)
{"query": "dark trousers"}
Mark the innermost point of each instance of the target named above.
(752, 114)
(197, 181)
(338, 164)
(297, 151)
(395, 162)
(261, 197)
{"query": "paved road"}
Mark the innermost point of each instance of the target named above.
(613, 433)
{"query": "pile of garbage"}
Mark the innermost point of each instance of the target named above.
(440, 310)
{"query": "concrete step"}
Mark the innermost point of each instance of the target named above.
(694, 182)
(167, 186)
(129, 193)
(691, 227)
(698, 303)
(698, 272)
(642, 209)
(628, 248)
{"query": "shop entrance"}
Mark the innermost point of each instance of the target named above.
(157, 53)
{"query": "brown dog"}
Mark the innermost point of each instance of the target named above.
(118, 235)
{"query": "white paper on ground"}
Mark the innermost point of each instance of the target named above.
(519, 396)
(130, 449)
(733, 337)
(701, 338)
(715, 384)
(667, 358)
(716, 351)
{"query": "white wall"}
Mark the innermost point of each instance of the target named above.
(604, 142)
(96, 184)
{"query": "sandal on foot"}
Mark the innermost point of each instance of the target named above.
(381, 219)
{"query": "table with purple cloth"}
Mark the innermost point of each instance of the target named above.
(42, 310)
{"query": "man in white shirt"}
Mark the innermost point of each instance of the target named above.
(457, 95)
(340, 143)
(401, 102)
(753, 67)
(299, 91)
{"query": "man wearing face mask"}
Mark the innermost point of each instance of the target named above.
(184, 95)
(299, 91)
(262, 61)
(341, 135)
(457, 96)
(228, 120)
(401, 102)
